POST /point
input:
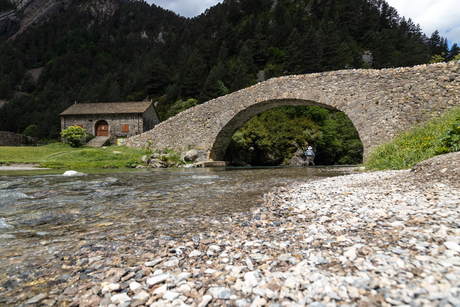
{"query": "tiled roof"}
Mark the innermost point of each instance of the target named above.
(107, 108)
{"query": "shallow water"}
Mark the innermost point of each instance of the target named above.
(43, 213)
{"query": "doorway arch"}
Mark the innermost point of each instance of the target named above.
(102, 128)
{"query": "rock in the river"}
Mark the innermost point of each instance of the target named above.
(74, 174)
(191, 155)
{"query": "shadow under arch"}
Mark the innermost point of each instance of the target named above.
(226, 133)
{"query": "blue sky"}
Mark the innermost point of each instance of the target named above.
(431, 15)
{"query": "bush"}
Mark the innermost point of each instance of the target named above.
(451, 140)
(31, 131)
(74, 136)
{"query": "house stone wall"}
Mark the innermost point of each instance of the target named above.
(380, 103)
(115, 122)
(151, 118)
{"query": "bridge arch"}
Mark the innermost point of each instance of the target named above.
(380, 103)
(225, 135)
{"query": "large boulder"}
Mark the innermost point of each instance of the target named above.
(157, 163)
(298, 159)
(191, 155)
(74, 174)
(195, 156)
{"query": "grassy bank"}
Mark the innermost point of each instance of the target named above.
(63, 156)
(438, 136)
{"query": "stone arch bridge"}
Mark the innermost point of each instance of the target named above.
(380, 103)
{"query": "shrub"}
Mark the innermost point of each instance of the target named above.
(451, 139)
(31, 131)
(74, 135)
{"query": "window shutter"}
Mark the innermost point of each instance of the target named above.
(125, 128)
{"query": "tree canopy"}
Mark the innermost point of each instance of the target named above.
(142, 50)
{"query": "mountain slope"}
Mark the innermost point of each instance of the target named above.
(104, 51)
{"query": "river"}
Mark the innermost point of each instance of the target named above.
(45, 217)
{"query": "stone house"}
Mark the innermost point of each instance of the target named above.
(115, 121)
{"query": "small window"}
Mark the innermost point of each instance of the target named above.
(81, 126)
(124, 128)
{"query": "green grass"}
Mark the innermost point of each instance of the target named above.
(418, 144)
(63, 156)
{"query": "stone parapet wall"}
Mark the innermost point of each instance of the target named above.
(13, 139)
(380, 103)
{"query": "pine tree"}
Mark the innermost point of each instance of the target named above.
(212, 87)
(192, 72)
(6, 90)
(158, 77)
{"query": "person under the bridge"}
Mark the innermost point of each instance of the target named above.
(310, 156)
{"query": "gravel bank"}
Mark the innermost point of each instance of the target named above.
(20, 166)
(388, 238)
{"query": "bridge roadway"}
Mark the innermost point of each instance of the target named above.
(380, 103)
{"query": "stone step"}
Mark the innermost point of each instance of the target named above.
(98, 141)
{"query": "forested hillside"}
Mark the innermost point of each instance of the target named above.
(144, 51)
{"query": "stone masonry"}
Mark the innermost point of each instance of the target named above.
(136, 117)
(380, 103)
(14, 139)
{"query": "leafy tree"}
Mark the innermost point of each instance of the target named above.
(437, 58)
(31, 131)
(143, 50)
(74, 136)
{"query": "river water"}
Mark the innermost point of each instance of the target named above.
(44, 214)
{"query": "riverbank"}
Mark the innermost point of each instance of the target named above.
(384, 238)
(20, 166)
(62, 156)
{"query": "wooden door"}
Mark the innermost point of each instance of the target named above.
(102, 128)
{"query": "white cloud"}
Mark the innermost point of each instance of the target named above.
(432, 15)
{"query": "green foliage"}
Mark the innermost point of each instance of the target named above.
(31, 131)
(435, 137)
(282, 131)
(74, 136)
(132, 164)
(437, 58)
(172, 157)
(143, 50)
(451, 139)
(180, 105)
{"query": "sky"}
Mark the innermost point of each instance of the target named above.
(431, 15)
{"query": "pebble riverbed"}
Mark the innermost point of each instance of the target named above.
(389, 238)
